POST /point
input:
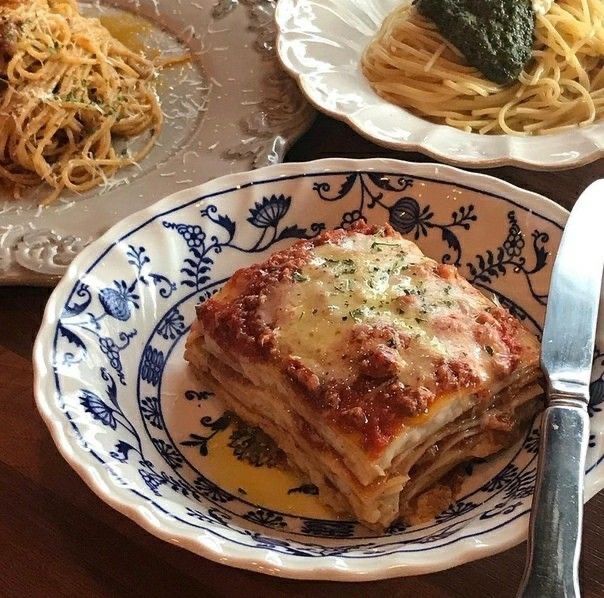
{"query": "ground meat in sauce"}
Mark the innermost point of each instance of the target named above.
(410, 401)
(363, 336)
(499, 325)
(446, 271)
(380, 362)
(453, 374)
(356, 416)
(376, 349)
(373, 408)
(303, 375)
(449, 323)
(236, 319)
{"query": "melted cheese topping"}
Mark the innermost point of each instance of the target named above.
(377, 281)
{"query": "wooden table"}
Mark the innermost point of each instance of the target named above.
(58, 539)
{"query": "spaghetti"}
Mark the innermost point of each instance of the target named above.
(68, 89)
(410, 64)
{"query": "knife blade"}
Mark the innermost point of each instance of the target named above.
(572, 307)
(567, 349)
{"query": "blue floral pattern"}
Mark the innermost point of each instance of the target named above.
(596, 388)
(149, 407)
(171, 456)
(173, 325)
(98, 409)
(269, 212)
(211, 516)
(210, 491)
(152, 365)
(304, 489)
(328, 529)
(117, 301)
(266, 216)
(456, 510)
(100, 322)
(441, 534)
(503, 479)
(253, 446)
(398, 527)
(531, 444)
(405, 214)
(266, 518)
(494, 264)
(201, 442)
(198, 395)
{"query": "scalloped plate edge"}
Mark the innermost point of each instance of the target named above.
(423, 146)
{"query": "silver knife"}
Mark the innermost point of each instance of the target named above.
(554, 543)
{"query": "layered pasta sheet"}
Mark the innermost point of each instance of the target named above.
(375, 369)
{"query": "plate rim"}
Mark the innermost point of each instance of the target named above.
(141, 512)
(507, 156)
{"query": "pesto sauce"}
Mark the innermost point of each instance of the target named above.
(495, 36)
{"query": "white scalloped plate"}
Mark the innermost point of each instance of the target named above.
(321, 42)
(230, 109)
(127, 414)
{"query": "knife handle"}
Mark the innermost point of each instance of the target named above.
(554, 542)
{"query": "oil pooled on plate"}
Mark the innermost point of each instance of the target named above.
(237, 458)
(131, 30)
(267, 484)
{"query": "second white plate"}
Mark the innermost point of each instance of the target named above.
(321, 42)
(232, 108)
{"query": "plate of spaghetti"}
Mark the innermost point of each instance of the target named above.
(70, 89)
(106, 107)
(473, 83)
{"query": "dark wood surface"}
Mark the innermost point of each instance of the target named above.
(58, 539)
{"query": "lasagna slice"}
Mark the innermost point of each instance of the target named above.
(374, 368)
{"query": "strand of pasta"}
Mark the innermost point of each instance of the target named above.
(410, 64)
(70, 88)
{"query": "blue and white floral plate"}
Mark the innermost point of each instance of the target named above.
(127, 414)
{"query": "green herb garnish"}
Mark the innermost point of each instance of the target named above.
(356, 314)
(377, 244)
(343, 287)
(299, 277)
